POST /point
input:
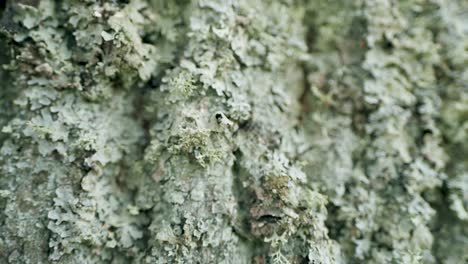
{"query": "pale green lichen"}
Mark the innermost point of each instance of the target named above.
(213, 131)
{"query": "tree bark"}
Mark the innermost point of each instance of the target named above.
(221, 131)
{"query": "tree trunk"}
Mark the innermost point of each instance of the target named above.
(234, 131)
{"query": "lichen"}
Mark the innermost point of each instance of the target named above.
(248, 131)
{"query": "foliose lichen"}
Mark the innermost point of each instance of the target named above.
(248, 131)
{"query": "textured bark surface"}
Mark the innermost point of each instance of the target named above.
(234, 131)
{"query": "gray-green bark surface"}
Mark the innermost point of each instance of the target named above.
(234, 131)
